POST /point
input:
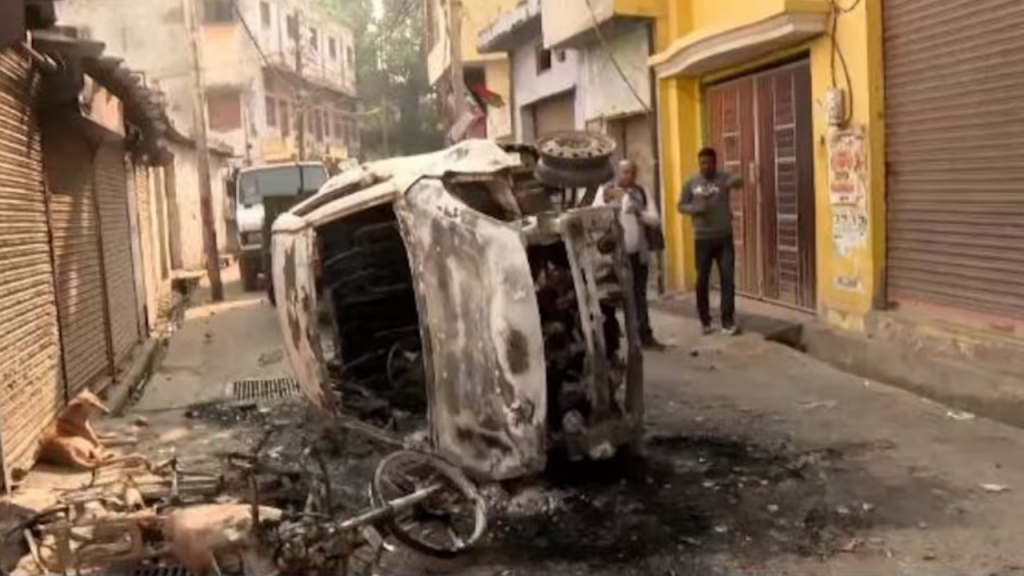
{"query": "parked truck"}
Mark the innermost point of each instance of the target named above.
(256, 187)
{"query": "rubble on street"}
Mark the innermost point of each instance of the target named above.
(268, 501)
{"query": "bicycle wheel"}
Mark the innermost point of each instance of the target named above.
(447, 523)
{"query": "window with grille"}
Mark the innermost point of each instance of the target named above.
(218, 11)
(265, 14)
(271, 104)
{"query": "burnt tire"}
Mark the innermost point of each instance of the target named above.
(581, 177)
(575, 150)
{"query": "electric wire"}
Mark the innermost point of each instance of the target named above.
(611, 57)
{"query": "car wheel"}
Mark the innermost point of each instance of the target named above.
(572, 150)
(582, 177)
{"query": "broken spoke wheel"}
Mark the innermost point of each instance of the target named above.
(436, 509)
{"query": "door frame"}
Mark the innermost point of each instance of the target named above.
(798, 60)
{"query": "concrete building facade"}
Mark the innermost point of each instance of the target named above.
(489, 70)
(253, 51)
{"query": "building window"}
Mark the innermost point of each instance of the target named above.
(225, 111)
(218, 11)
(271, 104)
(314, 39)
(339, 127)
(351, 56)
(543, 59)
(286, 120)
(265, 14)
(560, 55)
(318, 125)
(293, 27)
(332, 47)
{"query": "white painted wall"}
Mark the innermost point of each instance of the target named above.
(190, 219)
(149, 36)
(529, 86)
(603, 92)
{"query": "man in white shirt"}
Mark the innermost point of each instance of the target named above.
(637, 214)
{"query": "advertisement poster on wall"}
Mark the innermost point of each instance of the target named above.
(847, 179)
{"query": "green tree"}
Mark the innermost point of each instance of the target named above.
(399, 116)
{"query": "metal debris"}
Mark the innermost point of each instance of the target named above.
(995, 488)
(276, 517)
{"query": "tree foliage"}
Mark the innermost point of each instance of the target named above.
(391, 76)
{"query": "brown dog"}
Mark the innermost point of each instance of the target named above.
(71, 440)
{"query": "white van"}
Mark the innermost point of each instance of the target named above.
(252, 185)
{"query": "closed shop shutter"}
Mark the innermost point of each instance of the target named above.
(31, 385)
(954, 82)
(555, 114)
(68, 165)
(115, 233)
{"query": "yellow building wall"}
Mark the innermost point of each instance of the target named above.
(850, 276)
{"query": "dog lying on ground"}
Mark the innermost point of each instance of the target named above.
(72, 442)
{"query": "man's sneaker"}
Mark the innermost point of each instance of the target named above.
(707, 330)
(730, 330)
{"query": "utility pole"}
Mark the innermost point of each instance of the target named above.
(301, 103)
(203, 151)
(458, 78)
(385, 126)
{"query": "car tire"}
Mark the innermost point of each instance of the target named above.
(575, 150)
(580, 177)
(250, 275)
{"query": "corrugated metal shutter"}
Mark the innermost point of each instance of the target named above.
(115, 233)
(954, 84)
(555, 114)
(31, 381)
(68, 165)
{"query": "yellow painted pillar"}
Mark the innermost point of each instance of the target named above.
(851, 234)
(679, 109)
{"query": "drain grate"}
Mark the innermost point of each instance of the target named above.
(161, 571)
(265, 389)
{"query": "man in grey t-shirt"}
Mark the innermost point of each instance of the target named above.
(705, 198)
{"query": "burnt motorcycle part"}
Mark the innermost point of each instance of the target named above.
(451, 519)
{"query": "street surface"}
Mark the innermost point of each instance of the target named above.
(760, 460)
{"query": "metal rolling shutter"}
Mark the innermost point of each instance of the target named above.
(954, 84)
(31, 383)
(115, 233)
(68, 164)
(555, 114)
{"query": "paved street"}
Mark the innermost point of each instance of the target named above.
(760, 460)
(215, 345)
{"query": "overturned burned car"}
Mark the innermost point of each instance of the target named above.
(473, 291)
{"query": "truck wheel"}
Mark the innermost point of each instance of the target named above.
(250, 276)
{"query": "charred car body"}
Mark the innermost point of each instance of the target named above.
(474, 287)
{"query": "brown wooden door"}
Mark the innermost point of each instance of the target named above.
(731, 114)
(761, 128)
